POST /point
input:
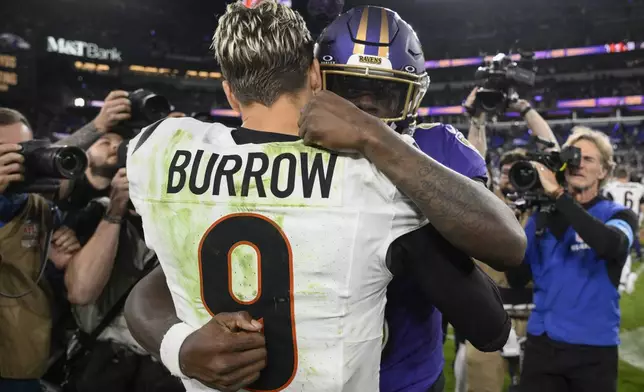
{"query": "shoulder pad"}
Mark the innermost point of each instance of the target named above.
(145, 134)
(185, 123)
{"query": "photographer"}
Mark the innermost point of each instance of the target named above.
(485, 372)
(116, 109)
(575, 254)
(122, 116)
(25, 223)
(113, 258)
(101, 132)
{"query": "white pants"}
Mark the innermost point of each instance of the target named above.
(628, 278)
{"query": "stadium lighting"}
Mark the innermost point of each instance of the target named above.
(79, 102)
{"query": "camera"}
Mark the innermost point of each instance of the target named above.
(500, 80)
(147, 108)
(524, 177)
(121, 154)
(45, 165)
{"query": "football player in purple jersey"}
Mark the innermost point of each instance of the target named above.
(373, 58)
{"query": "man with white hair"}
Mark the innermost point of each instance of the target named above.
(576, 255)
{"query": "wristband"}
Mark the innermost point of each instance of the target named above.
(526, 111)
(171, 345)
(113, 219)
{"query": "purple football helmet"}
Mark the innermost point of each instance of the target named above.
(373, 58)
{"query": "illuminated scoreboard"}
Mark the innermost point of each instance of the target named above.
(8, 72)
(16, 76)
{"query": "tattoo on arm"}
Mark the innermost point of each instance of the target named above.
(83, 138)
(466, 214)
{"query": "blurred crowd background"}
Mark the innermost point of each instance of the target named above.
(60, 59)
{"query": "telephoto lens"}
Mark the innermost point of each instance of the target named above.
(524, 177)
(148, 107)
(42, 160)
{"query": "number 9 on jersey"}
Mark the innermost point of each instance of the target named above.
(246, 264)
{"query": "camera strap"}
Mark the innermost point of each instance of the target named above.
(83, 342)
(541, 222)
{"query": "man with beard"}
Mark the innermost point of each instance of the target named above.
(112, 259)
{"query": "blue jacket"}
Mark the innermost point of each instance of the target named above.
(575, 300)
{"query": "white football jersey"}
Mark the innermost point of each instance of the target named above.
(628, 194)
(294, 235)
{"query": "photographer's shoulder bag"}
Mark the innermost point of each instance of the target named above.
(24, 295)
(96, 365)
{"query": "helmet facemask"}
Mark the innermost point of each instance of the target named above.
(388, 94)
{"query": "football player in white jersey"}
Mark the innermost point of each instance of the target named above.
(298, 237)
(621, 190)
(630, 195)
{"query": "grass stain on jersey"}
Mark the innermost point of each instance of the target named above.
(244, 267)
(184, 227)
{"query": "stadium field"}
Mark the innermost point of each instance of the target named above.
(631, 352)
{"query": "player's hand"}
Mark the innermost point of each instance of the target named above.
(120, 194)
(64, 245)
(548, 179)
(332, 122)
(11, 168)
(117, 108)
(226, 354)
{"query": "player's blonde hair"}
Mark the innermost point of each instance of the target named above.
(603, 144)
(264, 51)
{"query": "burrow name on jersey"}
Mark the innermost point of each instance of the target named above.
(259, 172)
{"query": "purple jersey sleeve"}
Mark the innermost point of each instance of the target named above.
(448, 146)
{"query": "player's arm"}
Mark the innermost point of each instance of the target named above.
(464, 212)
(466, 296)
(149, 311)
(221, 354)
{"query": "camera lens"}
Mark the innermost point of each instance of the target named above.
(490, 100)
(155, 107)
(70, 162)
(67, 163)
(523, 176)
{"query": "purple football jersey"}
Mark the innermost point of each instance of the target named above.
(413, 358)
